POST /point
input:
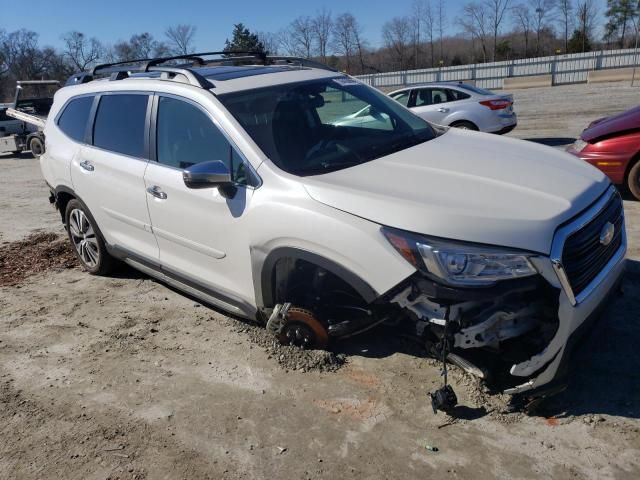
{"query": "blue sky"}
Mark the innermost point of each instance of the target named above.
(112, 20)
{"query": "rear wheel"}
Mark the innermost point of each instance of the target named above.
(633, 180)
(86, 239)
(464, 125)
(36, 146)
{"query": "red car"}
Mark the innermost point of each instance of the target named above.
(612, 144)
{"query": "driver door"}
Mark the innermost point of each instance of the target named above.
(201, 233)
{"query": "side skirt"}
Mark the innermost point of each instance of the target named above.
(186, 285)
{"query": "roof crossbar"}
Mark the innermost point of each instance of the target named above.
(120, 70)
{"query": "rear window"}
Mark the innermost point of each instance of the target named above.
(74, 118)
(120, 123)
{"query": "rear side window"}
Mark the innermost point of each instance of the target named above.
(186, 136)
(74, 118)
(457, 95)
(120, 122)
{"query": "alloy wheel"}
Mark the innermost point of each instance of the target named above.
(84, 238)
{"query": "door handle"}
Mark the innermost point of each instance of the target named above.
(87, 166)
(443, 110)
(157, 192)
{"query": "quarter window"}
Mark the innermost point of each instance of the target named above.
(74, 118)
(186, 136)
(120, 124)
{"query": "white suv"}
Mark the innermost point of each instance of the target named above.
(239, 185)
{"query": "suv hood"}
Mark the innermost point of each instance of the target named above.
(467, 186)
(604, 127)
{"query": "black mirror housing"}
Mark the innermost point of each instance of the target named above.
(213, 174)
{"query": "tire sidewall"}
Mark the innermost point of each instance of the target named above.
(104, 265)
(633, 181)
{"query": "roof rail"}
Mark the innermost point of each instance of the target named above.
(122, 69)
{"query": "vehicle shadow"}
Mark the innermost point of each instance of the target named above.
(552, 141)
(605, 377)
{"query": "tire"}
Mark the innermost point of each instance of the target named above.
(464, 125)
(633, 180)
(36, 146)
(86, 239)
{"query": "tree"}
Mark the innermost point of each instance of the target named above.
(476, 23)
(301, 33)
(441, 21)
(523, 17)
(566, 11)
(579, 42)
(497, 10)
(139, 46)
(80, 50)
(321, 26)
(243, 41)
(270, 41)
(428, 21)
(396, 34)
(542, 10)
(620, 13)
(347, 40)
(587, 13)
(417, 7)
(180, 39)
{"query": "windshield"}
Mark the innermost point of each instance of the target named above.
(320, 126)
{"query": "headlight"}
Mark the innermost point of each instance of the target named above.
(579, 145)
(460, 264)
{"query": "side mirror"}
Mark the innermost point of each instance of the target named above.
(213, 174)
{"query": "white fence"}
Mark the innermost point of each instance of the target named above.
(564, 68)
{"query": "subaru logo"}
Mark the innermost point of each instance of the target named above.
(606, 234)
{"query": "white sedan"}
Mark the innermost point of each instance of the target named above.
(460, 105)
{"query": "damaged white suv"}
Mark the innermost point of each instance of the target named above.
(237, 182)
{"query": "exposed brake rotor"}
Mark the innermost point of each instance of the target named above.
(301, 328)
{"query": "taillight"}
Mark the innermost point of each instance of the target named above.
(496, 104)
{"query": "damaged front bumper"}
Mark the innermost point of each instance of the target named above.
(520, 334)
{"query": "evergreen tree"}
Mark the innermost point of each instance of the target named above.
(620, 13)
(579, 42)
(243, 41)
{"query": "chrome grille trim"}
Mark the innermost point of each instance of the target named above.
(564, 232)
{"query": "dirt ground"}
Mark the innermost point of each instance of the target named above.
(122, 377)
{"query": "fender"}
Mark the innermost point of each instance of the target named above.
(263, 272)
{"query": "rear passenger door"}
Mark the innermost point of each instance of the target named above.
(202, 235)
(108, 172)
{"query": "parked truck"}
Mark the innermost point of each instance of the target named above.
(24, 120)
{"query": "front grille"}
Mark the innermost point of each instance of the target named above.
(584, 256)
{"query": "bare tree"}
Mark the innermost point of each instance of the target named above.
(565, 8)
(80, 50)
(476, 22)
(345, 38)
(522, 16)
(587, 16)
(542, 11)
(141, 45)
(428, 22)
(441, 21)
(180, 39)
(301, 32)
(321, 29)
(417, 7)
(396, 34)
(271, 42)
(497, 10)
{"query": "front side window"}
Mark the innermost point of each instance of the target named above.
(74, 118)
(319, 126)
(431, 96)
(120, 124)
(186, 136)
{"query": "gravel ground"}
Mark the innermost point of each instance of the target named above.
(122, 377)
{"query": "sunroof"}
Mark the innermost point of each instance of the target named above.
(230, 73)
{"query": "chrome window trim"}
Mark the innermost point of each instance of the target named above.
(563, 233)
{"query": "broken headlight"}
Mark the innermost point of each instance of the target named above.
(458, 263)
